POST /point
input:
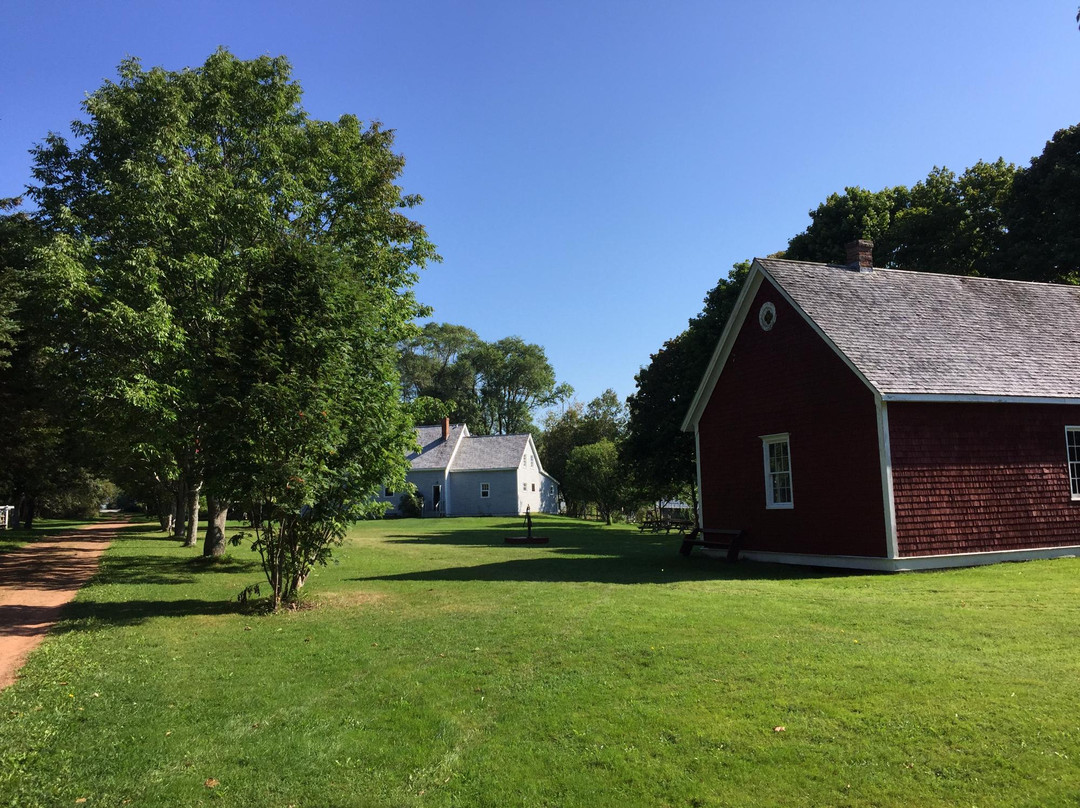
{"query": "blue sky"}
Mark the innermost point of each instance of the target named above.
(591, 169)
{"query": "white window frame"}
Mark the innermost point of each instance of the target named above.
(1072, 460)
(485, 490)
(768, 441)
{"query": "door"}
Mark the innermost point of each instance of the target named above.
(436, 497)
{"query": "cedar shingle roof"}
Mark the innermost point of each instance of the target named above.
(490, 452)
(434, 452)
(473, 452)
(923, 333)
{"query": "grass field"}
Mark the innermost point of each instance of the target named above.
(438, 667)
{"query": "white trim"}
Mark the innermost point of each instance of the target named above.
(723, 346)
(906, 564)
(768, 441)
(1069, 462)
(887, 493)
(697, 463)
(977, 398)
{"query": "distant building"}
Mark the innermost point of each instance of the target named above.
(459, 474)
(883, 419)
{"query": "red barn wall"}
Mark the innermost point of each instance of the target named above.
(789, 380)
(981, 477)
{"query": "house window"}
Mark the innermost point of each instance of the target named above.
(777, 454)
(524, 486)
(485, 490)
(534, 486)
(388, 492)
(1072, 449)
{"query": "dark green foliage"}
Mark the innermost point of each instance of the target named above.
(1042, 215)
(945, 223)
(306, 426)
(602, 419)
(202, 210)
(594, 474)
(411, 504)
(81, 498)
(494, 387)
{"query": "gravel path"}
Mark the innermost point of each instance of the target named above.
(35, 583)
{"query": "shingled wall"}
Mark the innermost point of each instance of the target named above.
(981, 477)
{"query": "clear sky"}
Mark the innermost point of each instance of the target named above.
(591, 169)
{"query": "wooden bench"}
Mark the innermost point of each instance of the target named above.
(713, 539)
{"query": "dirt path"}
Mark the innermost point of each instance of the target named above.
(35, 583)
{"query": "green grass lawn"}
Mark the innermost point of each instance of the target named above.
(437, 666)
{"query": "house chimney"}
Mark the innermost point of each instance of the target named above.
(445, 428)
(860, 255)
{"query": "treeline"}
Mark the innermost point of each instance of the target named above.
(994, 220)
(206, 301)
(494, 387)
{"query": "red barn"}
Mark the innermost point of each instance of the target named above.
(892, 420)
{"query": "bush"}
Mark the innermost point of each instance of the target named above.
(411, 504)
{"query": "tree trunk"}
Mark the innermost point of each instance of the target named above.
(191, 535)
(178, 510)
(216, 514)
(25, 512)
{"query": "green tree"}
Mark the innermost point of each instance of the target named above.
(603, 418)
(513, 380)
(308, 421)
(436, 367)
(175, 188)
(595, 474)
(1042, 215)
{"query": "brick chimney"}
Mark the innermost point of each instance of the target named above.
(860, 255)
(445, 428)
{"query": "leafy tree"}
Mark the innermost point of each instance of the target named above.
(307, 421)
(842, 218)
(603, 418)
(177, 185)
(595, 474)
(1042, 215)
(436, 367)
(945, 223)
(494, 387)
(514, 378)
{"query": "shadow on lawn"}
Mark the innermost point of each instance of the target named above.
(146, 569)
(29, 621)
(566, 566)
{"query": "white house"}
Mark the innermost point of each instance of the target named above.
(459, 474)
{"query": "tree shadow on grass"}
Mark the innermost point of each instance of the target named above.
(556, 567)
(31, 621)
(145, 569)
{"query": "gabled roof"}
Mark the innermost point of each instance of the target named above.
(435, 453)
(919, 335)
(465, 452)
(490, 452)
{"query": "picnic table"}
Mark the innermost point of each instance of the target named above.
(666, 525)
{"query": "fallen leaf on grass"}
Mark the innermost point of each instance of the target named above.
(212, 783)
(779, 729)
(80, 799)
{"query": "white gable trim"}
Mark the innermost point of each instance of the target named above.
(976, 398)
(758, 273)
(723, 348)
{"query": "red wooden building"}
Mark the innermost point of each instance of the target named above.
(892, 420)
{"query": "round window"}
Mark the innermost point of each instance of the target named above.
(767, 316)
